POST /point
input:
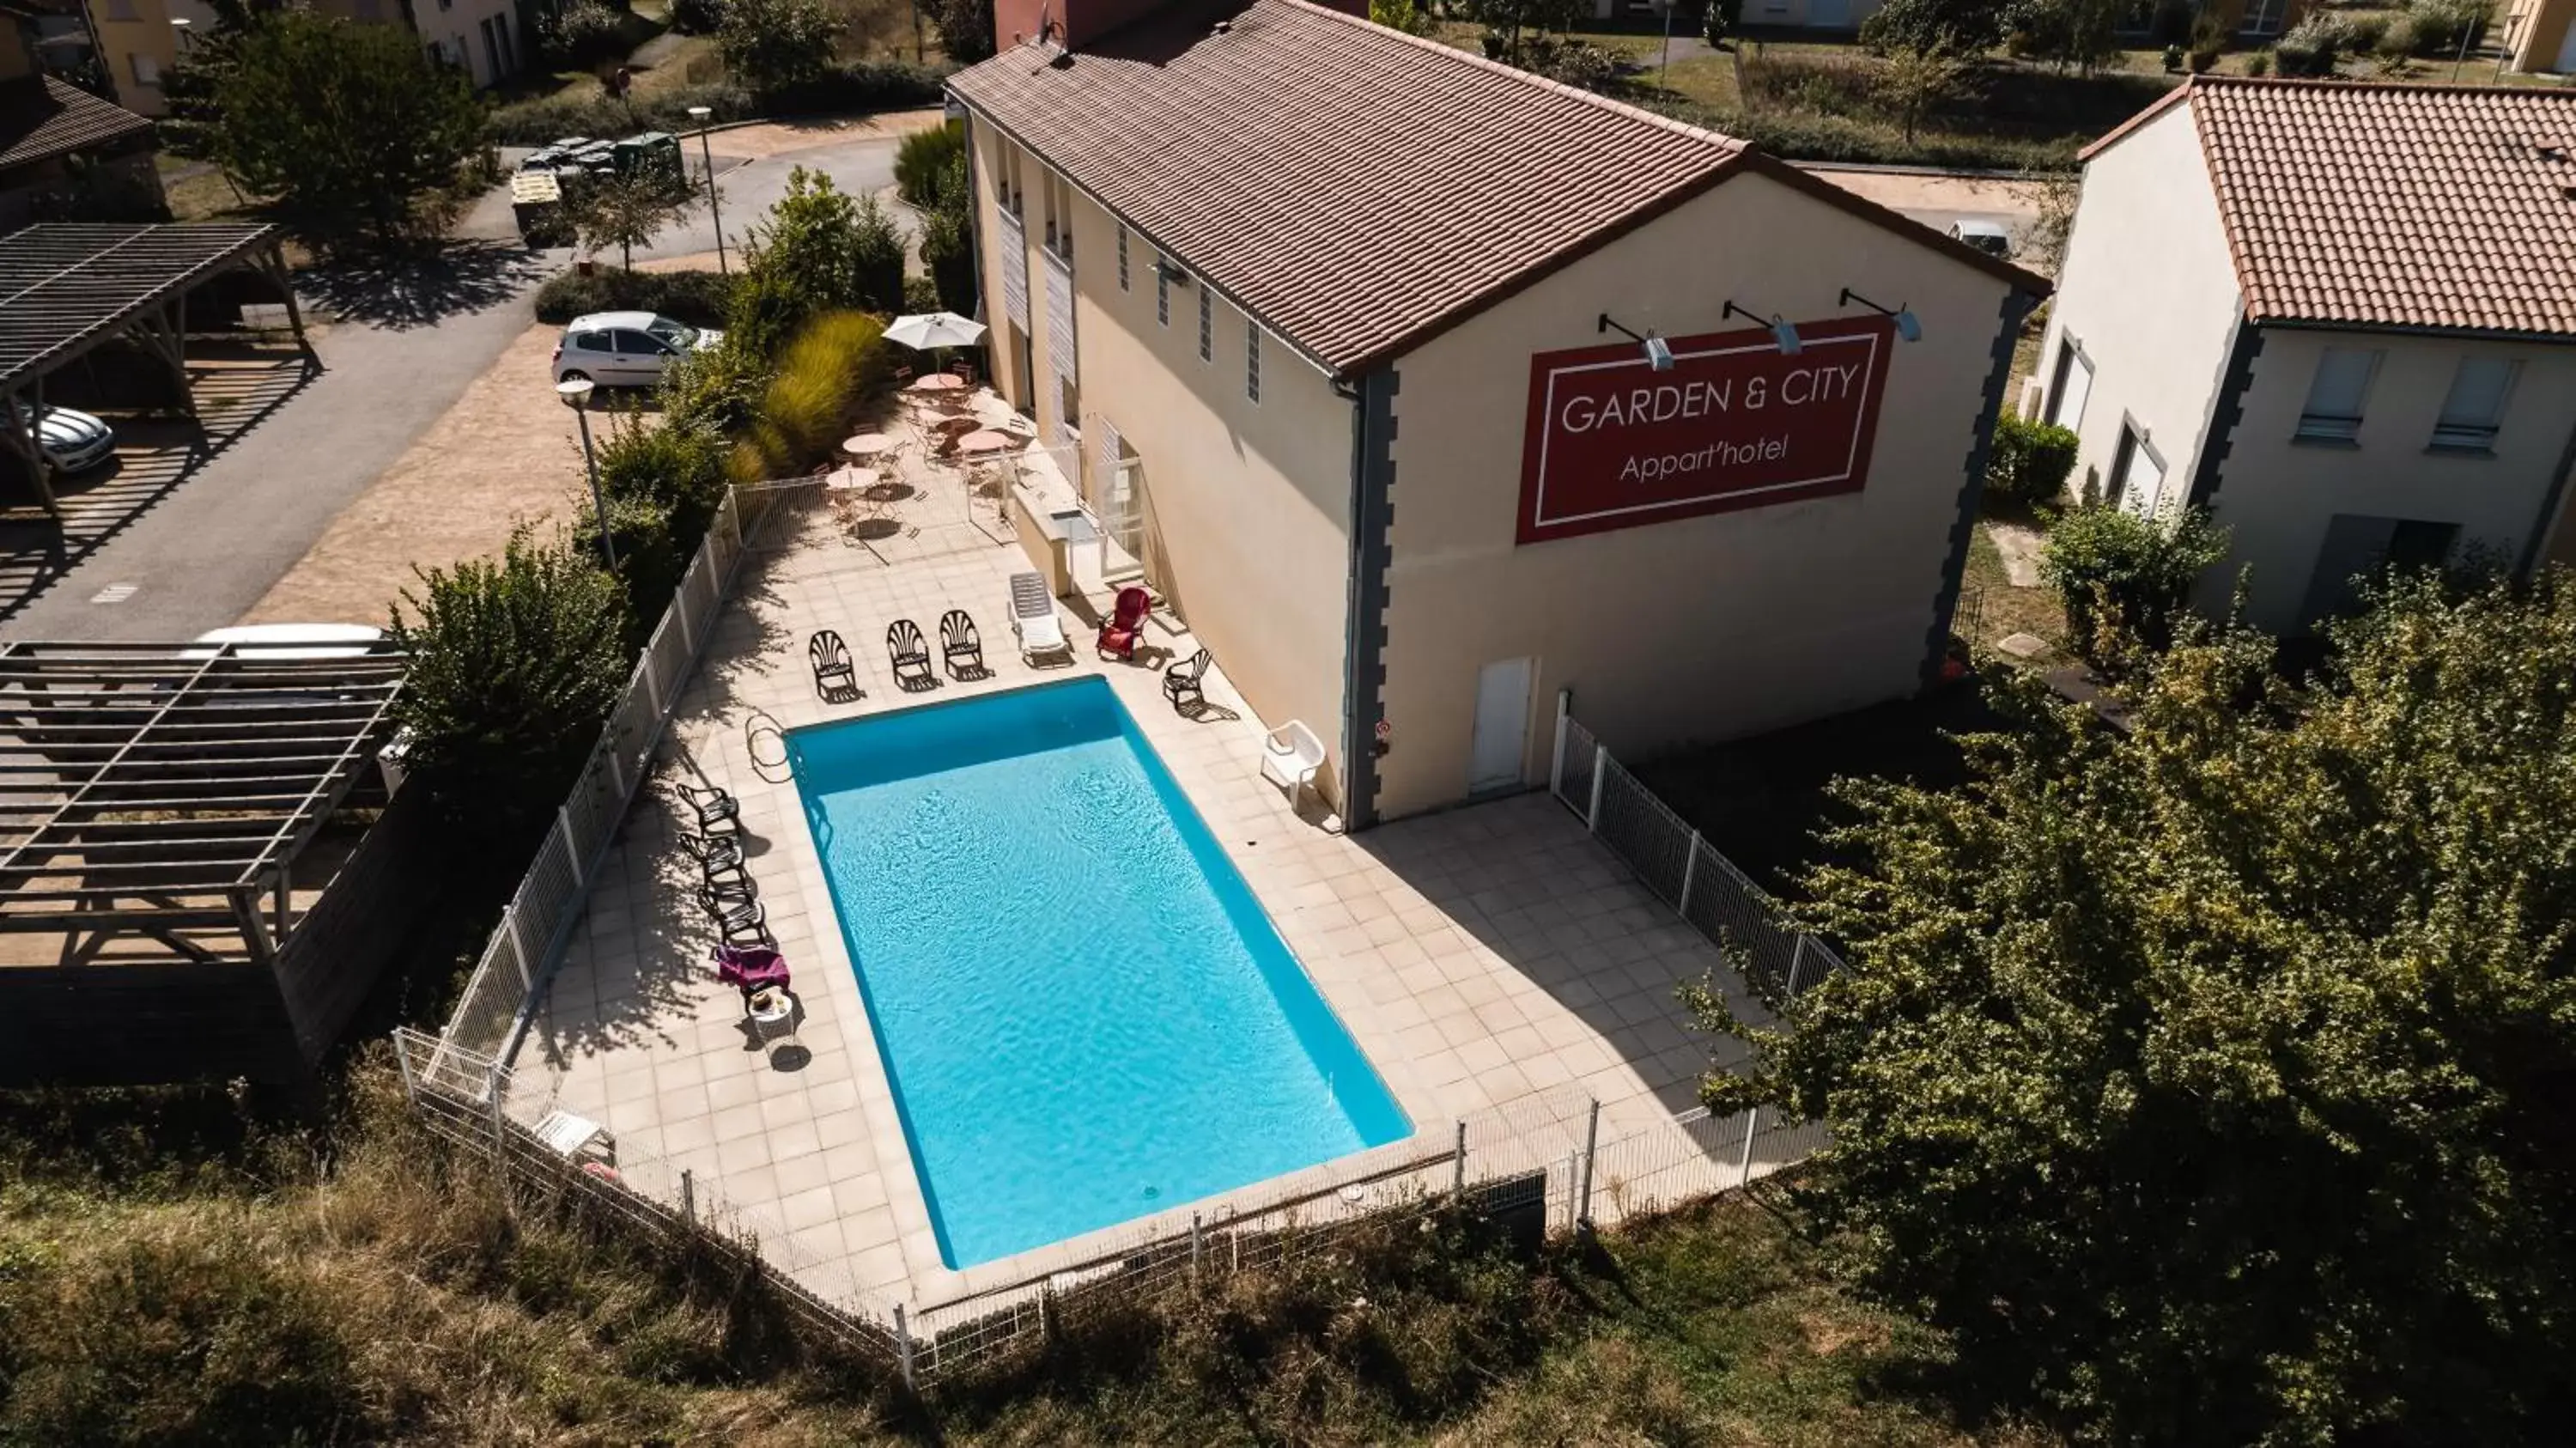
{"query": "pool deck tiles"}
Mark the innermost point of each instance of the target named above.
(1483, 958)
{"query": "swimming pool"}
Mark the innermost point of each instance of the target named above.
(1085, 1014)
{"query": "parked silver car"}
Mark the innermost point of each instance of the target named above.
(625, 349)
(73, 441)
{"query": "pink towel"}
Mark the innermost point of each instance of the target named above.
(750, 966)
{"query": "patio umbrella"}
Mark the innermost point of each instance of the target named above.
(935, 331)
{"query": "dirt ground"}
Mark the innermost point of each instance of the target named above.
(507, 451)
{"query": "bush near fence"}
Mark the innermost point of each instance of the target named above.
(852, 89)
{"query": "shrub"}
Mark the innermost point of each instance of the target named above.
(821, 250)
(715, 392)
(876, 258)
(771, 45)
(2259, 63)
(699, 298)
(965, 29)
(2441, 27)
(2029, 462)
(650, 554)
(2173, 58)
(867, 85)
(2202, 61)
(579, 34)
(697, 17)
(591, 112)
(678, 467)
(836, 361)
(2125, 578)
(948, 249)
(928, 163)
(2312, 47)
(515, 663)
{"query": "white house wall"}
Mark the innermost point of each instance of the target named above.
(2148, 292)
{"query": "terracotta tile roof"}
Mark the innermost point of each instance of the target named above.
(2396, 205)
(41, 118)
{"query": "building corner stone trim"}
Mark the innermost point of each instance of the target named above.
(2017, 306)
(1372, 545)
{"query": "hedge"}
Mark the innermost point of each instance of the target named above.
(1809, 136)
(698, 298)
(869, 85)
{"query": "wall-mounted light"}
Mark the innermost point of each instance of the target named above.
(1782, 332)
(1659, 353)
(1908, 325)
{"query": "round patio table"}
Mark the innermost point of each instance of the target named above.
(986, 440)
(937, 382)
(867, 444)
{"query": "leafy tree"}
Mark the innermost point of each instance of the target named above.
(965, 29)
(877, 258)
(629, 211)
(2208, 1084)
(2125, 579)
(350, 126)
(1408, 16)
(822, 250)
(770, 45)
(515, 663)
(1917, 78)
(1720, 19)
(1957, 27)
(948, 245)
(927, 163)
(2078, 33)
(580, 34)
(1508, 23)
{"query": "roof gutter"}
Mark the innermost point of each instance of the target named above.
(2417, 329)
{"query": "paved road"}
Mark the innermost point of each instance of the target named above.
(745, 190)
(203, 551)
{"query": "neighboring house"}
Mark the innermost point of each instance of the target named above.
(2253, 18)
(138, 40)
(2341, 316)
(481, 36)
(2540, 35)
(65, 154)
(1325, 322)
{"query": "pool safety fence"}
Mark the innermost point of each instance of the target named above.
(1536, 1168)
(500, 997)
(1681, 867)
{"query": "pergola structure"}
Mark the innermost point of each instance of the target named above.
(163, 791)
(68, 288)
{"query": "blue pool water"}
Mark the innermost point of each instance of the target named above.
(1084, 1012)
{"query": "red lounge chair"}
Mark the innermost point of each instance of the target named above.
(1118, 636)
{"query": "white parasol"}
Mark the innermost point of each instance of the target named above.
(930, 331)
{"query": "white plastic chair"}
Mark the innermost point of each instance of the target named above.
(578, 1138)
(1290, 755)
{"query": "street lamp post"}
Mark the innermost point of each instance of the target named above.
(576, 395)
(700, 114)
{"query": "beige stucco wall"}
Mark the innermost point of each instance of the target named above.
(1246, 503)
(131, 28)
(2278, 495)
(2537, 30)
(2148, 292)
(1702, 628)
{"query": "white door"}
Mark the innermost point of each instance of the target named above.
(1502, 726)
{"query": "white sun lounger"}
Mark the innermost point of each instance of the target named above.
(1290, 755)
(1033, 619)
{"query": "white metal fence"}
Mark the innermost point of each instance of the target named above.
(494, 1009)
(1673, 860)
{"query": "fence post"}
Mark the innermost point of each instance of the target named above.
(492, 1092)
(1458, 1163)
(689, 1197)
(1797, 961)
(1591, 1144)
(1195, 1244)
(519, 943)
(903, 1344)
(1690, 871)
(1556, 755)
(1744, 1163)
(1572, 1164)
(402, 1059)
(1600, 772)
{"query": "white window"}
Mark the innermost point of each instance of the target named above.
(2335, 397)
(1163, 291)
(1122, 256)
(147, 71)
(1207, 328)
(2474, 411)
(2137, 473)
(2073, 385)
(1252, 359)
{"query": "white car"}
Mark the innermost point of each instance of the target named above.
(625, 349)
(73, 441)
(1985, 236)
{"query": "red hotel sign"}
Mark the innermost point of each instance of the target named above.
(1615, 444)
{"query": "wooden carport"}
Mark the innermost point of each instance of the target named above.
(69, 288)
(153, 801)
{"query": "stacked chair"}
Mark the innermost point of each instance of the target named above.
(725, 886)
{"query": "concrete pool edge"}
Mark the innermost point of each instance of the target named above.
(1380, 1106)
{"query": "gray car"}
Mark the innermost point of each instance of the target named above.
(625, 349)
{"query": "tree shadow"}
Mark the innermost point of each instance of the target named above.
(420, 288)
